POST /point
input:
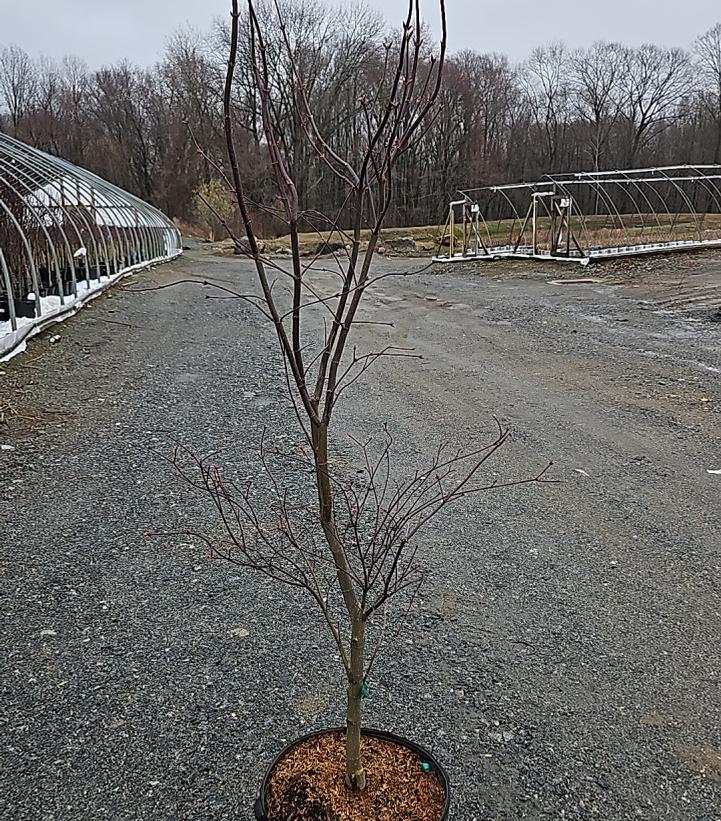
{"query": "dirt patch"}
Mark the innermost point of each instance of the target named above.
(311, 705)
(704, 760)
(662, 718)
(309, 784)
(26, 420)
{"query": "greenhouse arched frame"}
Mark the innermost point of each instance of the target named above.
(588, 216)
(65, 235)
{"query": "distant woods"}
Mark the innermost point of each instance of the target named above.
(604, 107)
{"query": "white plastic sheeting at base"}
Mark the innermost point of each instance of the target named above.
(14, 342)
(646, 249)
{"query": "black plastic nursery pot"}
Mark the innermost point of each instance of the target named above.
(261, 805)
(54, 289)
(23, 308)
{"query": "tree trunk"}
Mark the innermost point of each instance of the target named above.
(355, 774)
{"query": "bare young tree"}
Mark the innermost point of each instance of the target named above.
(360, 541)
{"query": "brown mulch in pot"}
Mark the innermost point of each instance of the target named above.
(308, 784)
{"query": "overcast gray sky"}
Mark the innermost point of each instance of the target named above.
(103, 31)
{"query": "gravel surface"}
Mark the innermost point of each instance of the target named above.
(564, 658)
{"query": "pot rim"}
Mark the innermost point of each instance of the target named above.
(436, 767)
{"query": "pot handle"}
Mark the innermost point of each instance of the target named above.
(259, 810)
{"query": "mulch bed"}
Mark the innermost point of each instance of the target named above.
(308, 784)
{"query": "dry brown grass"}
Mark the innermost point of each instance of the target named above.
(600, 231)
(426, 238)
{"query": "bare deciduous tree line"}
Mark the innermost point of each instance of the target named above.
(604, 107)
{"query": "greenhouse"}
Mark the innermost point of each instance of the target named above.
(588, 216)
(65, 234)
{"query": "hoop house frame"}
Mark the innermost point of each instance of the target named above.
(65, 235)
(588, 216)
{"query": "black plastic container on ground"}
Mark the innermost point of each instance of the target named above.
(67, 288)
(23, 308)
(259, 807)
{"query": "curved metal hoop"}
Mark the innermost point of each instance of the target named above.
(651, 210)
(63, 230)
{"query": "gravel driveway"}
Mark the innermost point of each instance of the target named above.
(565, 657)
